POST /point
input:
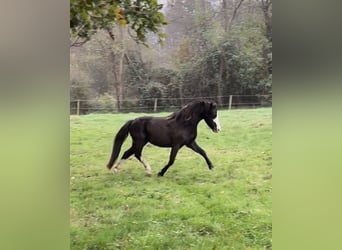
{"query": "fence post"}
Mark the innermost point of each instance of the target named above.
(230, 101)
(155, 104)
(78, 108)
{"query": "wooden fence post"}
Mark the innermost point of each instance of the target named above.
(78, 108)
(230, 101)
(155, 104)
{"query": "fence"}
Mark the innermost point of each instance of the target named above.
(80, 107)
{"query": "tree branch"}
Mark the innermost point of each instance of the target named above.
(130, 62)
(110, 33)
(76, 43)
(234, 14)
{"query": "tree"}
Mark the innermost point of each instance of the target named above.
(88, 16)
(266, 7)
(215, 48)
(228, 19)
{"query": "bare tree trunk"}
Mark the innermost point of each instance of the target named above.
(225, 15)
(118, 57)
(115, 77)
(121, 63)
(228, 18)
(234, 14)
(220, 82)
(266, 7)
(180, 89)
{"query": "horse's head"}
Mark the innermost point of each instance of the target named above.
(210, 115)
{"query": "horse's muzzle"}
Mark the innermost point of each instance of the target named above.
(217, 125)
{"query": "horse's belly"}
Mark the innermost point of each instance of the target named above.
(159, 136)
(160, 142)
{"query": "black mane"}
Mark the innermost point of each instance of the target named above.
(185, 113)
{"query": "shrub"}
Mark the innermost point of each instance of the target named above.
(103, 104)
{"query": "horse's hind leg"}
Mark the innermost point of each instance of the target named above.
(138, 149)
(146, 166)
(124, 157)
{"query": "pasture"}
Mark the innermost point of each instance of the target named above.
(190, 207)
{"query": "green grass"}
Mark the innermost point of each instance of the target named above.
(190, 207)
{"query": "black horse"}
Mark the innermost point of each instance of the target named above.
(175, 131)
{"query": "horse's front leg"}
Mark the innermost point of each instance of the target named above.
(194, 146)
(173, 154)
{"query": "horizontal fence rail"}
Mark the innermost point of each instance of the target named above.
(80, 106)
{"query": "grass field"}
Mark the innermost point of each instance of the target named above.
(190, 207)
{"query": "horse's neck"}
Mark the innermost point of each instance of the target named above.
(196, 116)
(196, 119)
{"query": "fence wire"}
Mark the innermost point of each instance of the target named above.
(83, 106)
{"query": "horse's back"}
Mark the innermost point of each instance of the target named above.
(151, 129)
(161, 132)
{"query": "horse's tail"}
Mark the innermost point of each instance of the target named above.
(118, 141)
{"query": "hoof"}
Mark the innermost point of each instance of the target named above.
(211, 168)
(160, 174)
(148, 174)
